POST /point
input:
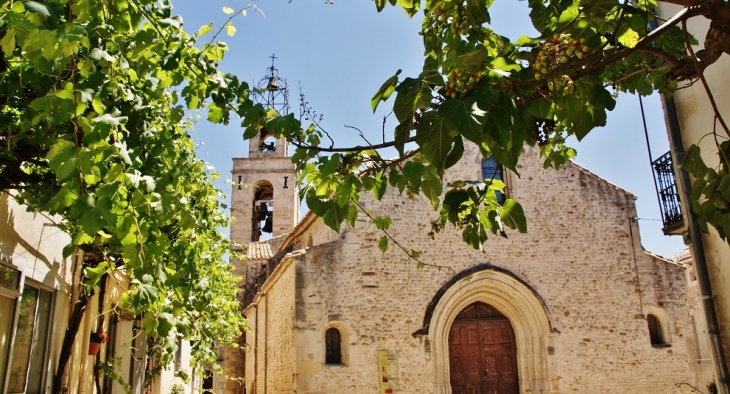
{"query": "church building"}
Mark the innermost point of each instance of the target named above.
(575, 305)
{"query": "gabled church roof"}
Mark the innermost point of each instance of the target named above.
(671, 260)
(600, 179)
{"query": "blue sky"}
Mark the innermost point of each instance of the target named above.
(341, 53)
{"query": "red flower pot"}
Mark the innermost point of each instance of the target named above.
(94, 348)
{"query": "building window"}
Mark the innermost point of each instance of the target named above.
(491, 169)
(655, 331)
(333, 346)
(26, 372)
(9, 295)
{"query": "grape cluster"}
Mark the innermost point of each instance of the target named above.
(556, 51)
(562, 83)
(432, 25)
(459, 83)
(458, 22)
(455, 18)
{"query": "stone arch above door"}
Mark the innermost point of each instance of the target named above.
(513, 298)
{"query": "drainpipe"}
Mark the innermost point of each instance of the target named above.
(695, 236)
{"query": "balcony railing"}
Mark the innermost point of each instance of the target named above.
(667, 193)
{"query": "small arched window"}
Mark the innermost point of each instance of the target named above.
(268, 144)
(333, 346)
(655, 331)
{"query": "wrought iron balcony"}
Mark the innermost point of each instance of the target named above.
(668, 194)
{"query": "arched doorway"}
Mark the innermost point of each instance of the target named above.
(511, 296)
(482, 352)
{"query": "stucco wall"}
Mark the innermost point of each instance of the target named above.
(696, 120)
(33, 244)
(702, 365)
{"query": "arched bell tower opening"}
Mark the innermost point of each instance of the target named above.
(268, 142)
(262, 217)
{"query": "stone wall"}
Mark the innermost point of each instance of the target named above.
(286, 201)
(581, 256)
(273, 339)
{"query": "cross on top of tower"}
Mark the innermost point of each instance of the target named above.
(272, 68)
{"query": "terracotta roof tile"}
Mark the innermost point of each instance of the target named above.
(682, 256)
(259, 251)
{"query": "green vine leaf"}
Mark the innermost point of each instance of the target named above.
(385, 91)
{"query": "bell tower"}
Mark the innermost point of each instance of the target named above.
(264, 200)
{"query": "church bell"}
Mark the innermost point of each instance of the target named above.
(268, 226)
(263, 211)
(273, 86)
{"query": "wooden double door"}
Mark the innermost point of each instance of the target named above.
(482, 352)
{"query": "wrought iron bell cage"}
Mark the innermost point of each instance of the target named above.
(272, 91)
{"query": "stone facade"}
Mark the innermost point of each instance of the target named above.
(577, 289)
(261, 168)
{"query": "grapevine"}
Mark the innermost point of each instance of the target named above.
(558, 51)
(454, 17)
(461, 83)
